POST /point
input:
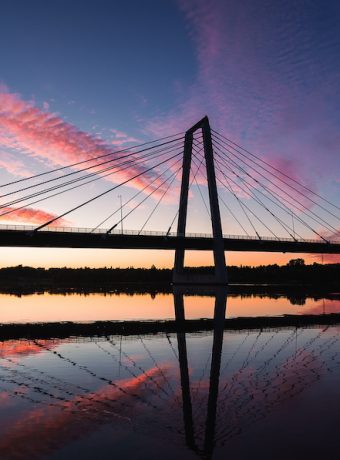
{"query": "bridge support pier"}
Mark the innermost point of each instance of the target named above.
(220, 270)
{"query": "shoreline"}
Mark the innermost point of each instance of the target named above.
(64, 330)
(272, 290)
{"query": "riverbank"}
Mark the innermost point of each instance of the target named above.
(295, 272)
(63, 330)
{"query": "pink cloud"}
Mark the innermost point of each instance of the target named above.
(45, 135)
(30, 216)
(257, 101)
(120, 142)
(261, 103)
(121, 138)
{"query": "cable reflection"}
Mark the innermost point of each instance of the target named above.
(262, 370)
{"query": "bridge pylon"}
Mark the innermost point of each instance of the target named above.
(220, 271)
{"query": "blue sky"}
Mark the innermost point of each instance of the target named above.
(113, 61)
(116, 72)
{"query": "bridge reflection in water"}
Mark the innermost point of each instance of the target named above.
(220, 294)
(75, 392)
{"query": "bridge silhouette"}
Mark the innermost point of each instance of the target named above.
(257, 196)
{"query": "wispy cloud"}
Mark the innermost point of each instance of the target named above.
(122, 139)
(30, 216)
(44, 135)
(266, 83)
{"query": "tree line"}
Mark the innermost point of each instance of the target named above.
(294, 272)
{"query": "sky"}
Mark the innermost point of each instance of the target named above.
(83, 78)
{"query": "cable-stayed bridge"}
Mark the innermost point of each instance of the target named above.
(270, 210)
(73, 237)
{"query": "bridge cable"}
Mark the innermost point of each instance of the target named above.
(14, 210)
(102, 194)
(276, 169)
(91, 159)
(229, 188)
(248, 194)
(232, 214)
(152, 155)
(296, 216)
(252, 192)
(227, 207)
(137, 206)
(278, 197)
(253, 195)
(86, 169)
(191, 182)
(281, 180)
(197, 184)
(160, 199)
(243, 205)
(116, 169)
(134, 196)
(51, 196)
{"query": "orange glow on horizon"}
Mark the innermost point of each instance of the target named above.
(75, 258)
(144, 307)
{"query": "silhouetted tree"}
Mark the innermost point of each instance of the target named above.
(296, 263)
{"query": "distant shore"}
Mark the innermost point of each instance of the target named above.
(295, 272)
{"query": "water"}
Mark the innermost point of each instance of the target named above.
(269, 394)
(264, 393)
(45, 307)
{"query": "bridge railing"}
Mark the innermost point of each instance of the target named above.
(30, 228)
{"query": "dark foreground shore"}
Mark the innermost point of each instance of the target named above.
(63, 330)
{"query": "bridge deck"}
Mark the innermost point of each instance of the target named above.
(24, 236)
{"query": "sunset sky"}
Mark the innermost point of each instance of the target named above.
(79, 79)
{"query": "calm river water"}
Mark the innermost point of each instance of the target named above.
(258, 394)
(44, 307)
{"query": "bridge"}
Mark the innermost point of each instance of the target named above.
(258, 198)
(73, 237)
